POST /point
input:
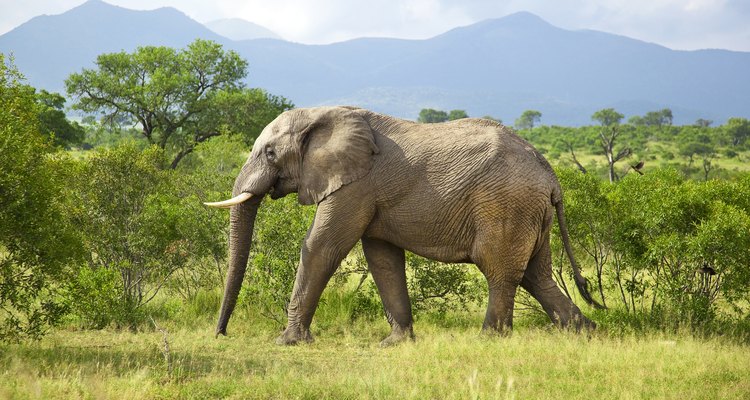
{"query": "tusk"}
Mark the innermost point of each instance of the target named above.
(231, 202)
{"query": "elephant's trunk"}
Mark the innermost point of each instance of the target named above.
(242, 219)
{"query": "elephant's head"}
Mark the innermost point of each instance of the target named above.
(309, 151)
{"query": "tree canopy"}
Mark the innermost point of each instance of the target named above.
(429, 115)
(53, 121)
(174, 96)
(607, 117)
(528, 119)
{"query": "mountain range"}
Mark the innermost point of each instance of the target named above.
(497, 67)
(239, 29)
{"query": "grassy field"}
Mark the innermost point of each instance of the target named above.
(453, 362)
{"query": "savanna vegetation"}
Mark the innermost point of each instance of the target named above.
(111, 269)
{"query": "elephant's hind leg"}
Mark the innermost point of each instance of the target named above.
(388, 268)
(505, 240)
(503, 271)
(537, 280)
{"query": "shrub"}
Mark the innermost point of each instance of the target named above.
(141, 224)
(38, 246)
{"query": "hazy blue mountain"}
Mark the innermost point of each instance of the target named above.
(239, 29)
(498, 67)
(48, 48)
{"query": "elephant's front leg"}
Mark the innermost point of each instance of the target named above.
(336, 228)
(388, 267)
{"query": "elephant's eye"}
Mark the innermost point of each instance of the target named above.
(270, 154)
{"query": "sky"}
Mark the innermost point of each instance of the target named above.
(677, 24)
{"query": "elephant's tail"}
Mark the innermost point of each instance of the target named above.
(581, 282)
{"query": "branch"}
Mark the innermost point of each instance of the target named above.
(190, 148)
(575, 160)
(166, 278)
(436, 296)
(622, 154)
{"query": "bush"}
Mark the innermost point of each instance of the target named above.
(436, 287)
(97, 299)
(663, 244)
(141, 224)
(38, 245)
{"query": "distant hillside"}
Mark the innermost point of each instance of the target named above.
(50, 47)
(239, 29)
(498, 67)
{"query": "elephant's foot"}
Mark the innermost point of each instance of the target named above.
(581, 323)
(574, 321)
(294, 335)
(496, 330)
(397, 336)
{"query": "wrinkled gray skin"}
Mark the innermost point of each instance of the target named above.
(467, 191)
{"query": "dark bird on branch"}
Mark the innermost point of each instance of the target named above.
(638, 167)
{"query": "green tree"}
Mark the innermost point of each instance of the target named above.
(245, 112)
(53, 121)
(738, 130)
(170, 93)
(656, 118)
(38, 245)
(701, 148)
(609, 119)
(457, 114)
(685, 236)
(703, 123)
(430, 116)
(528, 119)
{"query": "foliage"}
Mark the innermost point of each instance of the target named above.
(429, 115)
(528, 119)
(607, 117)
(655, 118)
(608, 134)
(53, 122)
(662, 243)
(141, 224)
(738, 129)
(172, 94)
(246, 112)
(108, 132)
(438, 287)
(37, 242)
(457, 114)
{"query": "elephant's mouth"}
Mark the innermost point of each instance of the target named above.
(281, 188)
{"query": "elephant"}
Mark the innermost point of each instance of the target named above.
(466, 191)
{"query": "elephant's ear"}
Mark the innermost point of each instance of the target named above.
(337, 149)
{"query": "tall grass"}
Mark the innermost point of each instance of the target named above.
(450, 359)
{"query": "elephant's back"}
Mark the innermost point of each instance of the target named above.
(464, 152)
(438, 184)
